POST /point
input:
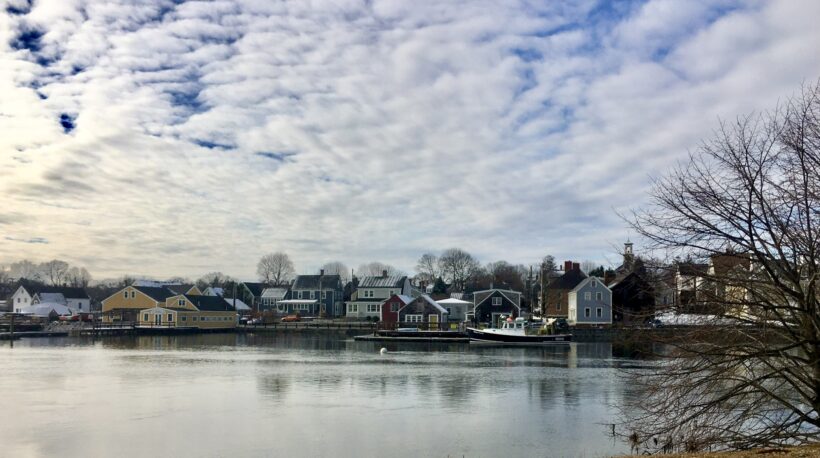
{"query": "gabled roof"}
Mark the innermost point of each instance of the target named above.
(333, 281)
(240, 305)
(502, 292)
(214, 291)
(53, 298)
(430, 301)
(157, 294)
(209, 303)
(66, 291)
(390, 281)
(254, 288)
(568, 281)
(587, 280)
(180, 289)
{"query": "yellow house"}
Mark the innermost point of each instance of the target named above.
(190, 311)
(125, 304)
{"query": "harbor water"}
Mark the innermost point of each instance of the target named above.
(229, 395)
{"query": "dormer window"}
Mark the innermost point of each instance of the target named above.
(181, 302)
(125, 294)
(133, 294)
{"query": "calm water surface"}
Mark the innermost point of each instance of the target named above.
(289, 395)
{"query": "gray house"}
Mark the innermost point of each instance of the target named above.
(325, 290)
(456, 308)
(590, 303)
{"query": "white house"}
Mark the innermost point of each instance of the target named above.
(371, 292)
(75, 298)
(456, 308)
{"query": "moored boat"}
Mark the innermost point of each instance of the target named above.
(515, 333)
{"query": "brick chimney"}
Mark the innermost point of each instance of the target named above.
(384, 273)
(567, 266)
(576, 266)
(321, 271)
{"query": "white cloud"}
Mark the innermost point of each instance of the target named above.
(208, 133)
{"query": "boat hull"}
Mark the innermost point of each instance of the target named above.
(479, 336)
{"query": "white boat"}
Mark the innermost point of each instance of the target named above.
(514, 332)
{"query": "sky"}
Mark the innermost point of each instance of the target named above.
(168, 138)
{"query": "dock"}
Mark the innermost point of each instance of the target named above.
(415, 336)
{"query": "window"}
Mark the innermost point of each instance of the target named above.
(170, 317)
(558, 306)
(372, 308)
(599, 312)
(145, 317)
(133, 294)
(193, 318)
(449, 311)
(353, 308)
(394, 306)
(586, 312)
(124, 294)
(18, 300)
(496, 301)
(184, 318)
(324, 294)
(181, 302)
(413, 318)
(296, 295)
(599, 296)
(587, 296)
(313, 294)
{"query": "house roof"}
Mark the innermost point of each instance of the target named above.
(209, 303)
(587, 280)
(179, 289)
(66, 291)
(390, 281)
(430, 301)
(240, 305)
(155, 293)
(568, 281)
(693, 268)
(453, 301)
(214, 291)
(503, 292)
(405, 299)
(312, 281)
(275, 292)
(54, 298)
(45, 309)
(254, 288)
(724, 263)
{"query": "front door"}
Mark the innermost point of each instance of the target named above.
(158, 319)
(497, 320)
(433, 320)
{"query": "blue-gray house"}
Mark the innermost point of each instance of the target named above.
(590, 303)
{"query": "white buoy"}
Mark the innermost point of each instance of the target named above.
(383, 351)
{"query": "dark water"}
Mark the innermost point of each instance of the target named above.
(235, 395)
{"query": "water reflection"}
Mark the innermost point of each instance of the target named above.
(291, 394)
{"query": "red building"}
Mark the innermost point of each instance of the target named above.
(391, 306)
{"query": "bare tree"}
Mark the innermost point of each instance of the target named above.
(25, 269)
(78, 277)
(213, 279)
(746, 206)
(375, 269)
(457, 266)
(427, 267)
(337, 268)
(506, 275)
(588, 266)
(275, 268)
(54, 271)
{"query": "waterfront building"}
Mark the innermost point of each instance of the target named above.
(425, 313)
(391, 306)
(457, 309)
(271, 298)
(326, 290)
(251, 293)
(125, 304)
(30, 294)
(191, 311)
(590, 303)
(490, 305)
(371, 292)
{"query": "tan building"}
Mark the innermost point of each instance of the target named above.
(125, 304)
(190, 311)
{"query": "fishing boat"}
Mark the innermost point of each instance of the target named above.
(514, 332)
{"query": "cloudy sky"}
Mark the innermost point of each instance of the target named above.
(176, 138)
